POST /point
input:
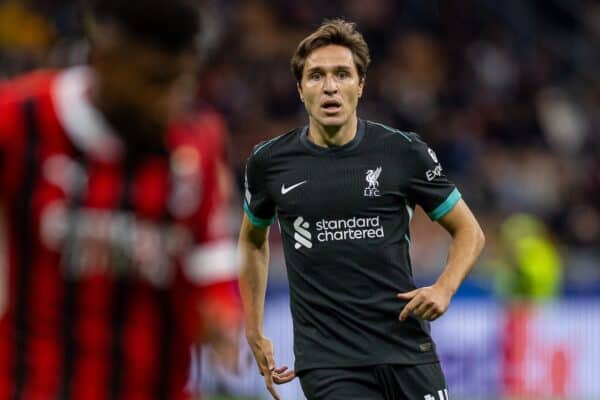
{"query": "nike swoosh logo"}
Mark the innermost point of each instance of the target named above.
(285, 190)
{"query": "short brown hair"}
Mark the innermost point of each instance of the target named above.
(335, 31)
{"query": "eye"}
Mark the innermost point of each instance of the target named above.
(343, 74)
(315, 76)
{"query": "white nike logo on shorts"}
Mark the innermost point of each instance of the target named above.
(285, 190)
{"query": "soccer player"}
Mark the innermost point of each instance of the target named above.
(344, 190)
(117, 251)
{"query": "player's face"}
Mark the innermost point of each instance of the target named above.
(330, 86)
(141, 87)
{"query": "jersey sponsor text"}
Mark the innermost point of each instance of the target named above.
(355, 228)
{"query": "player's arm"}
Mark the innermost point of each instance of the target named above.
(467, 243)
(253, 247)
(468, 239)
(441, 200)
(254, 253)
(254, 257)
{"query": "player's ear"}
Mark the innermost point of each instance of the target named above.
(361, 86)
(299, 88)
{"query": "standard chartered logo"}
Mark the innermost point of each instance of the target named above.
(302, 235)
(328, 230)
(355, 228)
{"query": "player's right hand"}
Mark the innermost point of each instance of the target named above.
(262, 348)
(281, 375)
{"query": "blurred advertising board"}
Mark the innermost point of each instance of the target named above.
(488, 350)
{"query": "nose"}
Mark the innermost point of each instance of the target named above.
(330, 85)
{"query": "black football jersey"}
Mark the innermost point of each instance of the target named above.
(344, 215)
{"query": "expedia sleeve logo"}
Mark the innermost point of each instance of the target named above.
(330, 230)
(435, 171)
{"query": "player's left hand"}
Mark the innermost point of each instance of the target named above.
(428, 303)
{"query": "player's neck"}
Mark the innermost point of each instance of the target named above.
(332, 136)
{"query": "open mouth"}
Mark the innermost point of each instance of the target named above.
(331, 106)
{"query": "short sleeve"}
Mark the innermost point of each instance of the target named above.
(258, 205)
(429, 187)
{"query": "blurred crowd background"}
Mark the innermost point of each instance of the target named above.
(506, 92)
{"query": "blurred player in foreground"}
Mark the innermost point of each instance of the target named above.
(344, 190)
(115, 212)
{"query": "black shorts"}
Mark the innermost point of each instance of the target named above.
(381, 382)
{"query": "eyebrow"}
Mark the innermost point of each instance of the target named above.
(335, 68)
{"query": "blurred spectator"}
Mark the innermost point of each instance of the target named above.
(528, 264)
(117, 258)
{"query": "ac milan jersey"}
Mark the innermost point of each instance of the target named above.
(344, 215)
(110, 253)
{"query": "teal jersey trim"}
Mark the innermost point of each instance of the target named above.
(265, 144)
(446, 206)
(393, 130)
(260, 222)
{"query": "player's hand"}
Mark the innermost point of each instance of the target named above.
(428, 303)
(282, 375)
(262, 348)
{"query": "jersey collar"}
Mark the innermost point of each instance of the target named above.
(83, 123)
(351, 145)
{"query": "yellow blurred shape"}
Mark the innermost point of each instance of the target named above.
(531, 266)
(23, 29)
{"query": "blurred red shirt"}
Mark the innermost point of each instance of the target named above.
(110, 259)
